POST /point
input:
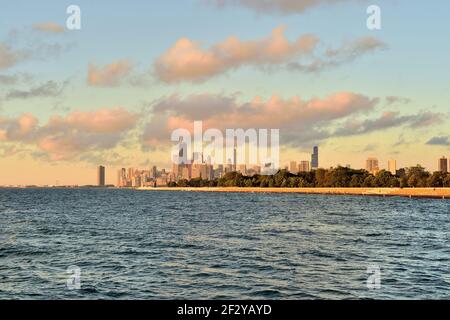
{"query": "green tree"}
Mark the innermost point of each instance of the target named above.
(385, 179)
(446, 181)
(417, 177)
(436, 180)
(320, 178)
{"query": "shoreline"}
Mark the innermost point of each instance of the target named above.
(434, 193)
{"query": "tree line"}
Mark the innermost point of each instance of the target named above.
(340, 177)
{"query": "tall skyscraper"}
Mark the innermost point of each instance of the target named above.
(372, 166)
(392, 166)
(101, 176)
(235, 158)
(443, 165)
(122, 178)
(154, 172)
(315, 158)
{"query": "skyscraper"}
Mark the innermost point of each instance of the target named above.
(443, 165)
(122, 178)
(154, 172)
(372, 165)
(392, 166)
(304, 166)
(293, 167)
(315, 158)
(101, 176)
(235, 158)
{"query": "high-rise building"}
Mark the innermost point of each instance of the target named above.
(304, 166)
(315, 158)
(443, 165)
(235, 158)
(293, 167)
(101, 176)
(197, 157)
(122, 178)
(154, 172)
(392, 166)
(372, 166)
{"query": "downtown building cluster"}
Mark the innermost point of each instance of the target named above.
(373, 167)
(199, 168)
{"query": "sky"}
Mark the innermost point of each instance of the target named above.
(112, 92)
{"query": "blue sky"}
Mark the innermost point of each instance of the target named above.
(414, 65)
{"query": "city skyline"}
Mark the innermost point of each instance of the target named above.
(201, 168)
(73, 99)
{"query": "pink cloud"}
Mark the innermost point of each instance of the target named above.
(100, 121)
(64, 138)
(49, 27)
(109, 75)
(8, 57)
(297, 118)
(188, 61)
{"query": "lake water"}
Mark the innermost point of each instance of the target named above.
(178, 245)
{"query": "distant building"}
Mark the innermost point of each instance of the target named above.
(122, 178)
(101, 176)
(197, 169)
(443, 165)
(315, 158)
(235, 157)
(392, 166)
(242, 168)
(218, 173)
(197, 157)
(293, 167)
(229, 166)
(154, 172)
(186, 172)
(304, 166)
(372, 166)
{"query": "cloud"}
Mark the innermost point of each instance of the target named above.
(23, 45)
(48, 89)
(347, 53)
(390, 100)
(20, 128)
(439, 141)
(49, 27)
(426, 119)
(110, 75)
(387, 120)
(8, 57)
(300, 120)
(278, 6)
(13, 79)
(71, 136)
(188, 61)
(101, 121)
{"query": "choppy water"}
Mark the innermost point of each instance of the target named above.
(160, 245)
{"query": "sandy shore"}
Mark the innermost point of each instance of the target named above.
(440, 193)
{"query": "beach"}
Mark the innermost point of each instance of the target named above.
(438, 193)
